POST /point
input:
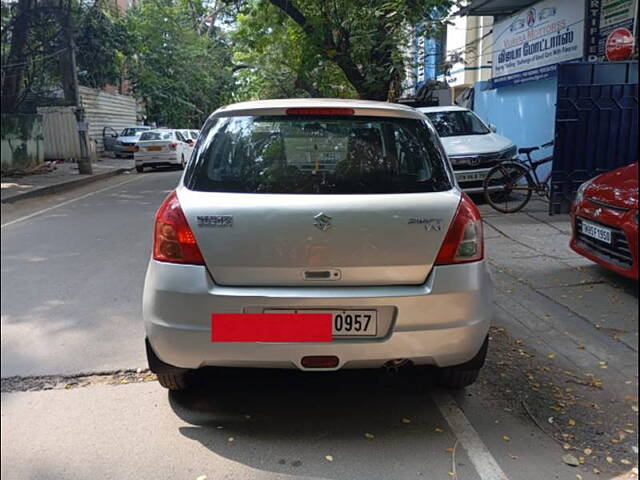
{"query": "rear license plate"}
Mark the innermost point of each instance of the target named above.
(471, 177)
(154, 149)
(129, 149)
(346, 323)
(596, 231)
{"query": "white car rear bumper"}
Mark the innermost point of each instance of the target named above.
(443, 322)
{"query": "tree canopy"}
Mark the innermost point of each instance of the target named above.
(185, 58)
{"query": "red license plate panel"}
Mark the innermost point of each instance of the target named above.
(271, 327)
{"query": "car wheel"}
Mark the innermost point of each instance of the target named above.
(139, 169)
(460, 376)
(173, 381)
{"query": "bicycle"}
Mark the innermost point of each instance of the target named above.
(508, 186)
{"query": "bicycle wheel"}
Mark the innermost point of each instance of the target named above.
(508, 187)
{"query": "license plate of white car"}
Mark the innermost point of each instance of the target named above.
(596, 231)
(346, 323)
(154, 149)
(470, 177)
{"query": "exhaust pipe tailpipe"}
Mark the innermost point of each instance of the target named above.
(392, 366)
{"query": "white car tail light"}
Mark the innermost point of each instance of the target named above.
(464, 241)
(173, 239)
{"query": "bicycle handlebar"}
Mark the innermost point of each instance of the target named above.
(548, 144)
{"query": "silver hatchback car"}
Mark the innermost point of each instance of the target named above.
(317, 235)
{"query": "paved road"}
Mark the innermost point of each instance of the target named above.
(72, 272)
(72, 279)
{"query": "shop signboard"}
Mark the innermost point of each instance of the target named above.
(527, 46)
(610, 29)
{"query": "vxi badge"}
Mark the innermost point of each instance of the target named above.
(430, 224)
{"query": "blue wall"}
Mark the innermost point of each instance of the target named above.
(523, 113)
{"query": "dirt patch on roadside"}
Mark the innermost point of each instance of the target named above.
(574, 408)
(60, 382)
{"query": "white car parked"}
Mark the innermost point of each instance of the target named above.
(472, 146)
(162, 147)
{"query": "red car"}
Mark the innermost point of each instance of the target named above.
(604, 217)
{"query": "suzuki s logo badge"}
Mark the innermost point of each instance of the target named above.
(474, 161)
(322, 221)
(597, 212)
(430, 224)
(215, 220)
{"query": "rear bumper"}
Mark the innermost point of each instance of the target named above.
(156, 160)
(442, 322)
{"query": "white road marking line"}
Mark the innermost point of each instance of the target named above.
(67, 202)
(479, 455)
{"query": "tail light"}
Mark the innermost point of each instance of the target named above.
(464, 241)
(320, 111)
(172, 146)
(173, 240)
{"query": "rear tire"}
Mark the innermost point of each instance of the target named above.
(508, 187)
(173, 382)
(460, 376)
(169, 376)
(139, 169)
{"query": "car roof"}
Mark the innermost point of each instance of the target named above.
(448, 108)
(279, 107)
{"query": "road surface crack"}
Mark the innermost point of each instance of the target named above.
(60, 382)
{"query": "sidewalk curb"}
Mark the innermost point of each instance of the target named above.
(64, 186)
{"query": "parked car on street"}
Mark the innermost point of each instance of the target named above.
(472, 146)
(317, 234)
(190, 141)
(605, 220)
(161, 148)
(122, 144)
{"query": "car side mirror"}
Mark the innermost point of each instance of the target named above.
(493, 128)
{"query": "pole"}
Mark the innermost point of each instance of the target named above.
(84, 162)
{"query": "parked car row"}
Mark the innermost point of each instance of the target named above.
(171, 147)
(164, 147)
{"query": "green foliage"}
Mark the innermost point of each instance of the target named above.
(363, 39)
(101, 45)
(274, 60)
(180, 75)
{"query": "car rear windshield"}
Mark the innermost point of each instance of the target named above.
(156, 136)
(317, 155)
(453, 124)
(130, 132)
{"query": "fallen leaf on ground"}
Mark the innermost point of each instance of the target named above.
(587, 451)
(513, 457)
(369, 435)
(609, 460)
(438, 430)
(572, 422)
(624, 461)
(202, 477)
(570, 460)
(329, 458)
(406, 420)
(230, 439)
(551, 356)
(506, 438)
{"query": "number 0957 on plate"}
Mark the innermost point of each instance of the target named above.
(346, 323)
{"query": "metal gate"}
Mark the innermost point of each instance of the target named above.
(596, 126)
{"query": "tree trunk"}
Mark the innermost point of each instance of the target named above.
(13, 75)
